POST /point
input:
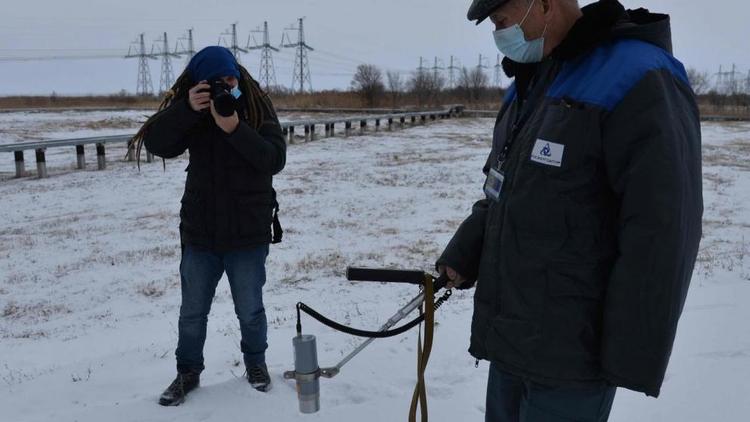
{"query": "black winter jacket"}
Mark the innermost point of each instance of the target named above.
(584, 263)
(229, 201)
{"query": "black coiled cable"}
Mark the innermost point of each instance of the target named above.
(301, 307)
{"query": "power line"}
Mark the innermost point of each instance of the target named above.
(340, 57)
(56, 58)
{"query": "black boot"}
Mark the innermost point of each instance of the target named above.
(258, 377)
(175, 394)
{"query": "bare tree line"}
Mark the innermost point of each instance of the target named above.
(422, 86)
(472, 86)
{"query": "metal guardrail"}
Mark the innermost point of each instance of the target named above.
(25, 146)
(398, 120)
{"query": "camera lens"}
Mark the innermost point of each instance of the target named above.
(224, 102)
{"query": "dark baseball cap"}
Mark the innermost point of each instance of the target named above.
(480, 9)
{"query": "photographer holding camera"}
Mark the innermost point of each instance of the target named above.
(218, 112)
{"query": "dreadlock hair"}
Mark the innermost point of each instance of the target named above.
(257, 105)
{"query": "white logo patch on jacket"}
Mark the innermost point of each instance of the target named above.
(548, 153)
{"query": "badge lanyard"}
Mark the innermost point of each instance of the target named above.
(496, 176)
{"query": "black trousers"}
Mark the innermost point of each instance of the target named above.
(513, 399)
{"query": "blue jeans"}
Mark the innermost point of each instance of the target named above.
(513, 399)
(200, 272)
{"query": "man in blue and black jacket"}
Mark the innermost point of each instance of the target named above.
(583, 247)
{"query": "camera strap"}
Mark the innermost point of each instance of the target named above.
(419, 397)
(278, 232)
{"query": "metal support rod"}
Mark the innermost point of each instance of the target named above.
(307, 133)
(291, 135)
(362, 126)
(401, 122)
(41, 164)
(20, 166)
(80, 157)
(377, 125)
(313, 136)
(333, 130)
(101, 157)
(390, 123)
(398, 316)
(413, 120)
(348, 128)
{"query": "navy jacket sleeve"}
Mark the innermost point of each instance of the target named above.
(167, 135)
(265, 148)
(652, 148)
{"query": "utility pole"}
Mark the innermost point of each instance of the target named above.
(451, 75)
(267, 70)
(720, 81)
(421, 68)
(161, 46)
(144, 85)
(482, 64)
(185, 45)
(498, 73)
(234, 47)
(301, 64)
(436, 70)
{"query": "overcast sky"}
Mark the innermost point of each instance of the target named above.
(392, 34)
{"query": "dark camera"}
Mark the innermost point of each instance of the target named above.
(224, 102)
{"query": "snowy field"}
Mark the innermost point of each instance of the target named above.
(89, 287)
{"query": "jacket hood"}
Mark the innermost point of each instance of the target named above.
(641, 24)
(606, 20)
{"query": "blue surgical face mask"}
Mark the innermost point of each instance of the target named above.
(236, 93)
(512, 42)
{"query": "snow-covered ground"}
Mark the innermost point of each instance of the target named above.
(89, 287)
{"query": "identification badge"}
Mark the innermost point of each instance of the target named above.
(548, 153)
(494, 184)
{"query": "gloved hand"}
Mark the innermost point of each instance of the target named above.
(457, 281)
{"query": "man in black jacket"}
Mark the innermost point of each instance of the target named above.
(583, 247)
(228, 208)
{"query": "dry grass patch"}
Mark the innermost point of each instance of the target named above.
(40, 311)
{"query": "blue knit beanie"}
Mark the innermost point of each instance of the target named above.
(212, 63)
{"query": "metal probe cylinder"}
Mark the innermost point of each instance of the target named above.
(307, 373)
